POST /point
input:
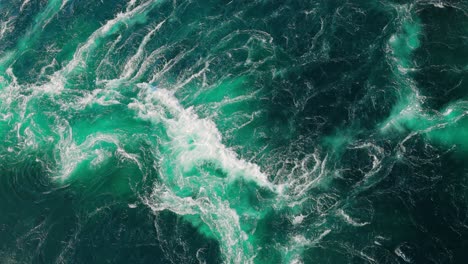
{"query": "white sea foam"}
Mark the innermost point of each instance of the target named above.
(350, 220)
(214, 212)
(24, 4)
(300, 179)
(168, 66)
(69, 155)
(127, 18)
(133, 62)
(298, 219)
(185, 127)
(402, 255)
(192, 141)
(149, 61)
(6, 26)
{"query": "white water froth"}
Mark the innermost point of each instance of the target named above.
(185, 127)
(193, 141)
(111, 27)
(298, 244)
(214, 212)
(132, 63)
(6, 26)
(24, 4)
(69, 155)
(350, 220)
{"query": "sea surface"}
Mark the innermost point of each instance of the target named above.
(211, 131)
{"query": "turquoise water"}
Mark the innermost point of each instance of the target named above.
(157, 131)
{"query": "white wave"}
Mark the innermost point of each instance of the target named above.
(298, 219)
(132, 63)
(24, 4)
(6, 26)
(402, 255)
(215, 213)
(69, 155)
(192, 141)
(105, 61)
(168, 65)
(103, 97)
(149, 61)
(186, 81)
(127, 18)
(377, 155)
(300, 179)
(297, 245)
(350, 220)
(185, 127)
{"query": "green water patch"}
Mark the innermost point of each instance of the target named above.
(106, 121)
(404, 43)
(338, 141)
(447, 127)
(453, 133)
(32, 34)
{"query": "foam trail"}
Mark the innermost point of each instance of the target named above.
(193, 145)
(130, 66)
(70, 155)
(24, 4)
(196, 139)
(222, 221)
(6, 26)
(58, 79)
(167, 66)
(128, 18)
(148, 62)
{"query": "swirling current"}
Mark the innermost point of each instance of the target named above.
(211, 131)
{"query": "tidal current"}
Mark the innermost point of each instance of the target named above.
(209, 131)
